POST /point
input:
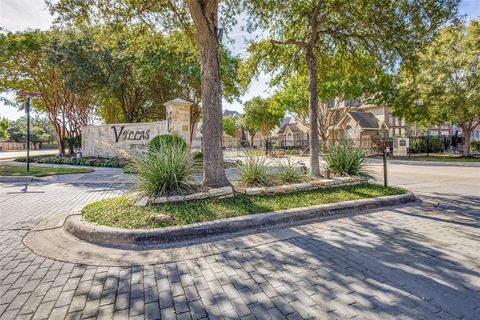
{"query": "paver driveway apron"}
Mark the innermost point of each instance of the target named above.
(411, 262)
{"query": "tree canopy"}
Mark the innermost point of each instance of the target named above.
(202, 21)
(25, 66)
(260, 116)
(297, 33)
(229, 125)
(41, 131)
(3, 128)
(136, 71)
(445, 83)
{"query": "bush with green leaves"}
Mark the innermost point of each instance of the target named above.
(346, 160)
(475, 145)
(73, 143)
(289, 171)
(158, 141)
(85, 161)
(254, 171)
(164, 169)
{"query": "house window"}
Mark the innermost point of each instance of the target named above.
(348, 133)
(391, 119)
(337, 116)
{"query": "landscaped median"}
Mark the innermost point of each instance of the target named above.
(116, 222)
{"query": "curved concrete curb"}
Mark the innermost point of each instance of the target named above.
(130, 239)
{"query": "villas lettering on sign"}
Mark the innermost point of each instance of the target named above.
(129, 135)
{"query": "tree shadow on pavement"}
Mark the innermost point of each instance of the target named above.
(370, 268)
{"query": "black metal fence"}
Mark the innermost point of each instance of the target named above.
(420, 145)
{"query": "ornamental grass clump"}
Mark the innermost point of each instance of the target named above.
(289, 171)
(346, 160)
(254, 171)
(164, 170)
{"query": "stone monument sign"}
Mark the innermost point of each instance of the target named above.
(127, 139)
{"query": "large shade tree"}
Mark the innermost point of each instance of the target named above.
(346, 76)
(261, 116)
(25, 66)
(198, 17)
(135, 70)
(445, 83)
(41, 131)
(297, 32)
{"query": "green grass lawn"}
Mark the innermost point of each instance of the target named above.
(38, 171)
(436, 157)
(117, 212)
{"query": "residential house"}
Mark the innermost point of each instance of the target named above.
(366, 123)
(292, 132)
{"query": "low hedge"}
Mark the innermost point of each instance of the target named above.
(90, 162)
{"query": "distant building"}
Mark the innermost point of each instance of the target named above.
(359, 123)
(363, 122)
(232, 113)
(292, 132)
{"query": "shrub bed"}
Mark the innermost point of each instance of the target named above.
(90, 162)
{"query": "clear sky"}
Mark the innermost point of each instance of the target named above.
(16, 15)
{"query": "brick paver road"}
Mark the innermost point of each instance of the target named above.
(411, 262)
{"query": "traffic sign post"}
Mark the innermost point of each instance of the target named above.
(27, 110)
(28, 95)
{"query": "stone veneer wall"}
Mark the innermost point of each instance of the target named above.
(130, 139)
(179, 115)
(120, 139)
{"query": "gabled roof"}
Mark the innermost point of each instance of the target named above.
(232, 113)
(284, 122)
(365, 119)
(293, 128)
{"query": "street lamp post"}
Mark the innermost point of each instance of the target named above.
(27, 110)
(28, 95)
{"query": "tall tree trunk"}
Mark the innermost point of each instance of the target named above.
(313, 111)
(467, 132)
(61, 144)
(204, 16)
(58, 135)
